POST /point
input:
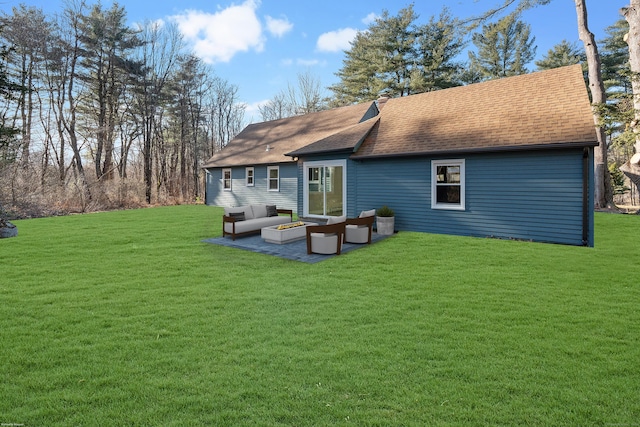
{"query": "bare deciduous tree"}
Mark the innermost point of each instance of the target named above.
(26, 30)
(632, 15)
(304, 98)
(158, 55)
(603, 189)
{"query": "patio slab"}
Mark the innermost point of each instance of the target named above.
(296, 251)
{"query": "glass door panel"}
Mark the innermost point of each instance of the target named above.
(325, 190)
(333, 190)
(315, 191)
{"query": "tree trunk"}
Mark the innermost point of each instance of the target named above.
(146, 153)
(632, 14)
(603, 187)
(70, 125)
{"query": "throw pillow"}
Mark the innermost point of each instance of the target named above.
(272, 210)
(239, 216)
(236, 209)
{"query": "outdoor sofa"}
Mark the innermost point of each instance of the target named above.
(242, 220)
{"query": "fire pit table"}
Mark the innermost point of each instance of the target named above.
(285, 233)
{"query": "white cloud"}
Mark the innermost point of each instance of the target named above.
(252, 111)
(369, 19)
(155, 24)
(308, 62)
(217, 37)
(278, 27)
(336, 41)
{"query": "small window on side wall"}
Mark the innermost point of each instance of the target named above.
(249, 177)
(448, 184)
(273, 175)
(226, 179)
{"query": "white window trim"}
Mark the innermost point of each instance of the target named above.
(434, 184)
(269, 169)
(224, 171)
(305, 190)
(253, 176)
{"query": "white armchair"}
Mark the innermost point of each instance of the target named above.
(325, 239)
(358, 230)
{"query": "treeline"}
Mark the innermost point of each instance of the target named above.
(398, 55)
(98, 115)
(95, 114)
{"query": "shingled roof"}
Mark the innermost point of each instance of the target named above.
(542, 109)
(346, 140)
(538, 110)
(268, 142)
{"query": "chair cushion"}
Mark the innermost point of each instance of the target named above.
(365, 214)
(356, 234)
(336, 219)
(322, 244)
(322, 234)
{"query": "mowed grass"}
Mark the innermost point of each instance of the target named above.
(127, 318)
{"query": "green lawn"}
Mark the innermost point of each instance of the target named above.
(127, 318)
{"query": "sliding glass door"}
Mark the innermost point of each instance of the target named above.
(324, 188)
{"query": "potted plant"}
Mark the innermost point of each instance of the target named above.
(385, 220)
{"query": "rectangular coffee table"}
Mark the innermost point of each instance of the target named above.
(273, 235)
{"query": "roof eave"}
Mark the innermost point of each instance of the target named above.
(236, 165)
(318, 152)
(356, 146)
(480, 150)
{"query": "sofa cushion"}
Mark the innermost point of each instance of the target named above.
(365, 214)
(236, 209)
(248, 213)
(272, 210)
(336, 219)
(268, 221)
(259, 211)
(256, 224)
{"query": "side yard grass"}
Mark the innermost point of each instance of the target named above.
(127, 318)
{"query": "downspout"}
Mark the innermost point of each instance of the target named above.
(206, 186)
(585, 196)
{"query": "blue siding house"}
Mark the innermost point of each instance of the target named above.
(509, 158)
(253, 167)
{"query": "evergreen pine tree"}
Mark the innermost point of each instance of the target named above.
(560, 55)
(504, 48)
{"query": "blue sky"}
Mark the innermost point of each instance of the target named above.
(262, 45)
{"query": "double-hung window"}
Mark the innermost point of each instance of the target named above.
(249, 177)
(273, 177)
(226, 179)
(448, 184)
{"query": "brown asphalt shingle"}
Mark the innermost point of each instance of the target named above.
(282, 136)
(347, 139)
(542, 108)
